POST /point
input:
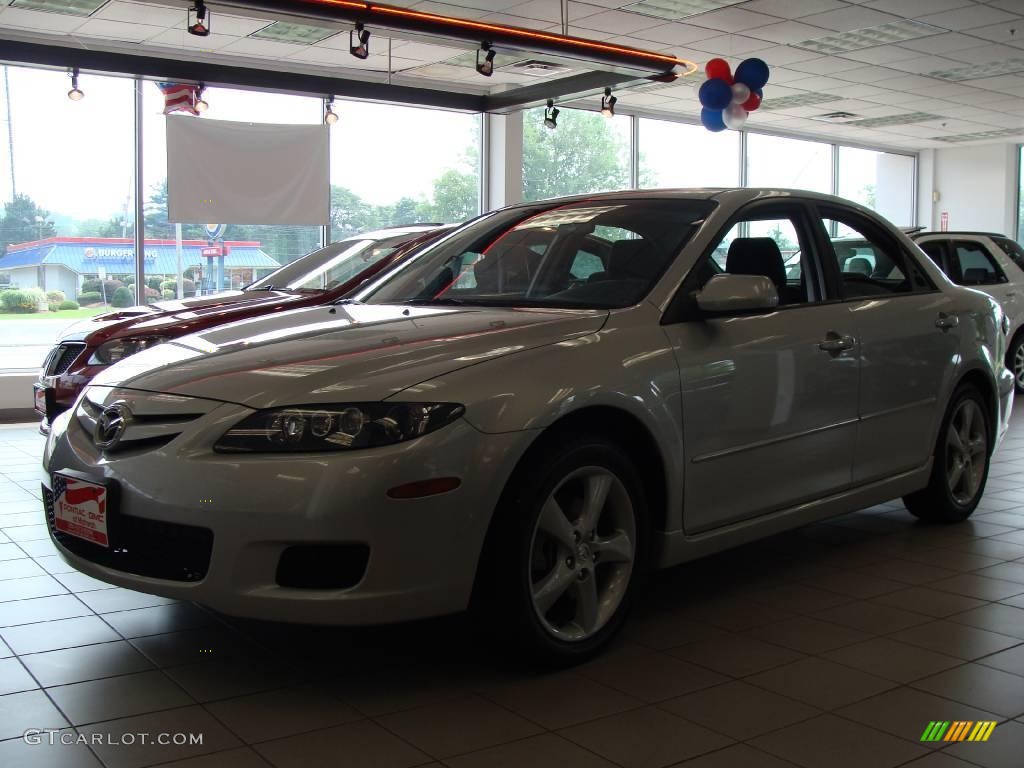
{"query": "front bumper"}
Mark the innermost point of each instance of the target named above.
(422, 552)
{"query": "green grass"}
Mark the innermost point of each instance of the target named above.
(64, 314)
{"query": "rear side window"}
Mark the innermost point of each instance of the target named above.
(1012, 249)
(974, 265)
(869, 260)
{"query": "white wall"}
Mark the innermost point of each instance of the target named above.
(977, 186)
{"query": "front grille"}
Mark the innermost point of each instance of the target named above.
(153, 548)
(61, 358)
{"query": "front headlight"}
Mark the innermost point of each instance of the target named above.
(119, 349)
(305, 428)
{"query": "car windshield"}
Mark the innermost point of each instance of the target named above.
(587, 254)
(331, 266)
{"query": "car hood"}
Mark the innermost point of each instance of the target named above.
(171, 316)
(341, 353)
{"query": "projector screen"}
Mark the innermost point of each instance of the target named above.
(246, 173)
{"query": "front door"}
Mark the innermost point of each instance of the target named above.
(769, 399)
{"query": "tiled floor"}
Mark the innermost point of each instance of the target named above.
(830, 646)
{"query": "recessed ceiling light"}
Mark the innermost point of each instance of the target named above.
(468, 59)
(869, 37)
(674, 10)
(905, 119)
(837, 117)
(798, 100)
(67, 7)
(286, 32)
(997, 134)
(976, 71)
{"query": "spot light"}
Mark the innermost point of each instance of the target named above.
(76, 93)
(330, 116)
(551, 115)
(198, 21)
(201, 105)
(608, 103)
(485, 67)
(360, 49)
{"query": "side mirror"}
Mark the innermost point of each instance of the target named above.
(727, 293)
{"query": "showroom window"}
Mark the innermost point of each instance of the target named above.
(67, 173)
(883, 181)
(587, 152)
(240, 253)
(395, 165)
(1020, 195)
(773, 161)
(681, 155)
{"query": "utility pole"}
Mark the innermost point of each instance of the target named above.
(10, 132)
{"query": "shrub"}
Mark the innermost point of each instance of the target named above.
(168, 285)
(168, 294)
(53, 307)
(188, 286)
(98, 286)
(153, 282)
(55, 297)
(123, 297)
(90, 297)
(24, 301)
(68, 304)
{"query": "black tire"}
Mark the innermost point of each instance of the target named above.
(1015, 361)
(503, 598)
(938, 502)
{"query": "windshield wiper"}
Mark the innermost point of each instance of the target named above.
(435, 301)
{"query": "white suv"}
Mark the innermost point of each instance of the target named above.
(991, 263)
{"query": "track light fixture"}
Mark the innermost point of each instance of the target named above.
(201, 105)
(359, 42)
(75, 94)
(608, 103)
(551, 115)
(485, 67)
(330, 116)
(198, 20)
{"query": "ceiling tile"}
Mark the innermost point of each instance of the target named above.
(248, 46)
(867, 74)
(1008, 34)
(142, 13)
(617, 22)
(543, 10)
(117, 30)
(39, 21)
(942, 44)
(674, 33)
(731, 45)
(986, 53)
(789, 32)
(910, 9)
(969, 18)
(424, 52)
(180, 39)
(787, 9)
(783, 55)
(882, 54)
(237, 26)
(520, 21)
(731, 20)
(848, 18)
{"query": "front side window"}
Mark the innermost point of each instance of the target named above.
(870, 262)
(974, 265)
(935, 251)
(599, 254)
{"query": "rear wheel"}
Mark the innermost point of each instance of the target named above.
(1015, 361)
(960, 463)
(566, 548)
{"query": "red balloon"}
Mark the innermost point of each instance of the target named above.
(753, 102)
(718, 68)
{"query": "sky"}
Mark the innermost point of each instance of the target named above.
(75, 158)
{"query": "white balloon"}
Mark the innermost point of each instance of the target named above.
(734, 116)
(740, 93)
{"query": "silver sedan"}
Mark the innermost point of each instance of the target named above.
(543, 405)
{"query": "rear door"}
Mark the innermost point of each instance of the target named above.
(909, 339)
(977, 267)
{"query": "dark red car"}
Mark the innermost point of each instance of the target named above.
(320, 277)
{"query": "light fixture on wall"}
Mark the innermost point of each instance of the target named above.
(76, 93)
(551, 115)
(198, 20)
(330, 116)
(485, 67)
(201, 105)
(608, 103)
(359, 42)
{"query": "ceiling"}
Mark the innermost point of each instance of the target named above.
(913, 74)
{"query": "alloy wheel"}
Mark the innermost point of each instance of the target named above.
(1018, 366)
(966, 446)
(582, 553)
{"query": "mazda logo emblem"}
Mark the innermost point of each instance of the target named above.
(111, 425)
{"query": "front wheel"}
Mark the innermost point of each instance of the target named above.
(1015, 361)
(566, 548)
(960, 462)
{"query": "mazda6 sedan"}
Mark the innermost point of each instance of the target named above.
(534, 411)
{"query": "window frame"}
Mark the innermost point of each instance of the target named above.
(683, 306)
(954, 259)
(873, 230)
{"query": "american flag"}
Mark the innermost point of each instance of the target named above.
(76, 492)
(179, 97)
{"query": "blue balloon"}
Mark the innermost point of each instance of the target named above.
(712, 119)
(715, 94)
(753, 73)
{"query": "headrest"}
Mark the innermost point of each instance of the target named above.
(756, 256)
(858, 265)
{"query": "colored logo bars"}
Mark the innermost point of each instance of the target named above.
(958, 730)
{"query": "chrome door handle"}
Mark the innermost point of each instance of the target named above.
(945, 322)
(836, 343)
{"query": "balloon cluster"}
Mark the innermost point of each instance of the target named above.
(727, 99)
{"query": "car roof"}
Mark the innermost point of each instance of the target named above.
(384, 234)
(958, 233)
(694, 193)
